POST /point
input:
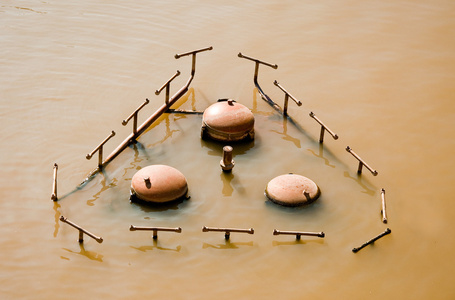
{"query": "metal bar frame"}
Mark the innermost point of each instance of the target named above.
(386, 232)
(298, 233)
(361, 163)
(383, 211)
(155, 229)
(167, 85)
(99, 148)
(286, 98)
(81, 231)
(134, 115)
(54, 184)
(227, 231)
(323, 129)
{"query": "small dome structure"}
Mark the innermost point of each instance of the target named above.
(292, 190)
(158, 184)
(227, 121)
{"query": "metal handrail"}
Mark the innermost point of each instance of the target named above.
(54, 185)
(255, 79)
(286, 98)
(227, 231)
(167, 85)
(134, 115)
(323, 129)
(99, 148)
(298, 233)
(361, 163)
(81, 231)
(155, 229)
(384, 214)
(386, 232)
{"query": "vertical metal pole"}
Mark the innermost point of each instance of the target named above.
(168, 87)
(256, 71)
(285, 108)
(321, 137)
(81, 236)
(155, 234)
(100, 157)
(54, 186)
(359, 170)
(135, 123)
(384, 214)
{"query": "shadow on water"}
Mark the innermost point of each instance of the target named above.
(216, 148)
(362, 182)
(227, 245)
(157, 247)
(298, 242)
(286, 136)
(230, 184)
(104, 187)
(89, 254)
(157, 207)
(320, 155)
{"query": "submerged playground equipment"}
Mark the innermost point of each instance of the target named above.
(224, 121)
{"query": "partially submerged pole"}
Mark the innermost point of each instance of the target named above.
(299, 233)
(286, 98)
(155, 230)
(54, 185)
(386, 232)
(361, 163)
(81, 231)
(323, 129)
(99, 148)
(227, 231)
(384, 214)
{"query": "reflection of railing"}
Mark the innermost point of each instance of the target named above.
(323, 129)
(54, 185)
(99, 148)
(361, 162)
(227, 231)
(299, 233)
(81, 231)
(286, 98)
(255, 79)
(155, 229)
(134, 116)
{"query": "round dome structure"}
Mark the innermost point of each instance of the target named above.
(292, 190)
(227, 121)
(158, 184)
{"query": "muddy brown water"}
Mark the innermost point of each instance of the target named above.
(379, 73)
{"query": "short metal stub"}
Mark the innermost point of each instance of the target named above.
(292, 190)
(159, 184)
(227, 121)
(227, 163)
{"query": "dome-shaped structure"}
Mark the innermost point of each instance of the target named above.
(158, 184)
(292, 190)
(227, 121)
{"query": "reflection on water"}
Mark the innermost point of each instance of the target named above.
(361, 181)
(228, 245)
(286, 136)
(57, 217)
(298, 242)
(89, 254)
(157, 247)
(157, 207)
(104, 187)
(320, 155)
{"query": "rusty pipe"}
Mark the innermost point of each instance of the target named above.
(99, 148)
(323, 129)
(386, 232)
(177, 56)
(227, 231)
(167, 85)
(286, 98)
(155, 229)
(275, 66)
(384, 214)
(81, 231)
(54, 185)
(134, 115)
(361, 163)
(298, 233)
(227, 163)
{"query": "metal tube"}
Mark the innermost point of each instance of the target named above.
(227, 231)
(157, 92)
(299, 233)
(155, 229)
(286, 97)
(386, 232)
(54, 185)
(361, 162)
(164, 108)
(134, 115)
(81, 231)
(323, 128)
(177, 56)
(88, 156)
(275, 66)
(384, 214)
(227, 163)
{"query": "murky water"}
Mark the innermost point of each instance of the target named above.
(378, 73)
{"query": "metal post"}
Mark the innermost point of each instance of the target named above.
(54, 185)
(227, 231)
(134, 116)
(255, 79)
(299, 233)
(386, 232)
(99, 148)
(361, 163)
(81, 231)
(384, 214)
(286, 97)
(155, 230)
(323, 129)
(167, 85)
(227, 163)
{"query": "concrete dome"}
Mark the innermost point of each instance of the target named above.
(292, 190)
(227, 121)
(158, 184)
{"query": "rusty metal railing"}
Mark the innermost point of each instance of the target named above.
(99, 148)
(361, 163)
(81, 231)
(298, 234)
(286, 98)
(155, 230)
(54, 184)
(134, 116)
(384, 214)
(386, 232)
(167, 85)
(323, 129)
(227, 231)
